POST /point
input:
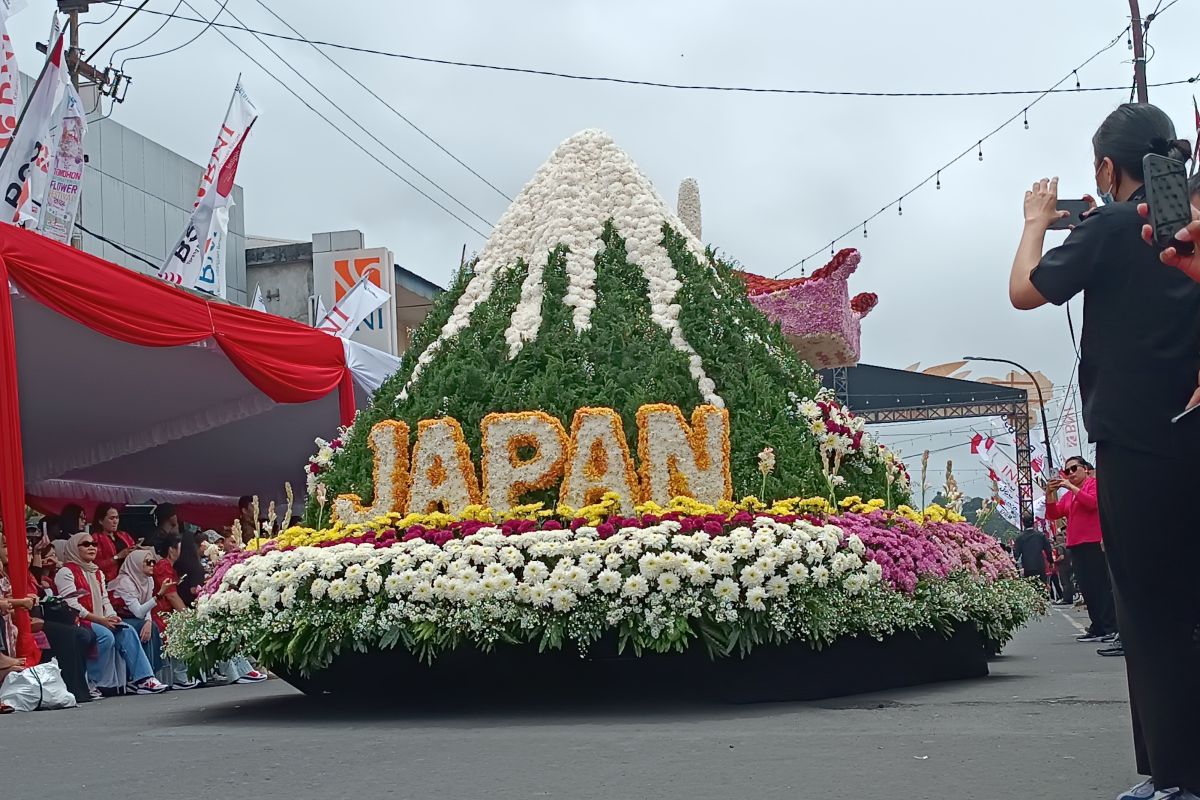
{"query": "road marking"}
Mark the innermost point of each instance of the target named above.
(1073, 621)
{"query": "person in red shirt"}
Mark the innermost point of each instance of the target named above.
(112, 545)
(1080, 508)
(166, 583)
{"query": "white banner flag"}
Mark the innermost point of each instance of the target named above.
(321, 312)
(355, 306)
(259, 304)
(198, 259)
(1068, 433)
(38, 182)
(56, 218)
(10, 84)
(30, 145)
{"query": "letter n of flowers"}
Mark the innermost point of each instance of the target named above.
(678, 460)
(442, 473)
(388, 441)
(506, 475)
(598, 461)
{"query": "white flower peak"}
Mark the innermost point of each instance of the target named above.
(688, 205)
(586, 182)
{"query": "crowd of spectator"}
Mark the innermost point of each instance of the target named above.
(99, 599)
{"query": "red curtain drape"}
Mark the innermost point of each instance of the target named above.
(287, 361)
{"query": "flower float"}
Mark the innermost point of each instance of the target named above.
(816, 313)
(555, 465)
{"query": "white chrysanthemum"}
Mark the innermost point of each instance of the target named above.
(510, 557)
(727, 589)
(609, 581)
(754, 598)
(393, 585)
(287, 597)
(820, 575)
(650, 565)
(856, 545)
(873, 571)
(536, 572)
(752, 576)
(855, 583)
(422, 593)
(669, 583)
(337, 590)
(374, 582)
(494, 570)
(614, 560)
(700, 573)
(777, 586)
(539, 595)
(268, 599)
(743, 548)
(591, 562)
(797, 573)
(564, 600)
(319, 588)
(721, 563)
(635, 586)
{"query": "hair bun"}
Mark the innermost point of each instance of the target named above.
(1184, 148)
(1161, 146)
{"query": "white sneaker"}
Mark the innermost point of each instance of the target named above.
(184, 685)
(147, 686)
(1143, 791)
(1175, 794)
(253, 676)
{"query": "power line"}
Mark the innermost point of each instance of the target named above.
(650, 83)
(178, 47)
(339, 130)
(358, 124)
(976, 147)
(386, 104)
(141, 42)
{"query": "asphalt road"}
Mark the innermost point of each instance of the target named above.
(1051, 721)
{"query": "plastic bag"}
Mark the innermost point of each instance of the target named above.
(41, 687)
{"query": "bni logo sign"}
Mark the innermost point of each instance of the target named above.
(347, 272)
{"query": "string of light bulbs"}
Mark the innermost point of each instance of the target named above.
(935, 177)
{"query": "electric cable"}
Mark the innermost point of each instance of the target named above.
(362, 127)
(385, 103)
(339, 129)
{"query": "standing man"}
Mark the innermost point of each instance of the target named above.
(1033, 550)
(1080, 508)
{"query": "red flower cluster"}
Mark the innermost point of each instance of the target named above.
(757, 284)
(864, 302)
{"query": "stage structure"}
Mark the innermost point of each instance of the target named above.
(880, 394)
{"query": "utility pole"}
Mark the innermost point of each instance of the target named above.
(1137, 28)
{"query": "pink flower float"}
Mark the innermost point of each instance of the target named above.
(816, 313)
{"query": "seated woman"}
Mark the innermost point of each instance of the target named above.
(112, 544)
(134, 596)
(165, 589)
(68, 642)
(81, 577)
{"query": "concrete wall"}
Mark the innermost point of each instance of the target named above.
(140, 194)
(286, 270)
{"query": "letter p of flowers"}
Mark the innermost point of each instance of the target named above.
(508, 474)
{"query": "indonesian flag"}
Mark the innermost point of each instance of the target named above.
(30, 146)
(355, 306)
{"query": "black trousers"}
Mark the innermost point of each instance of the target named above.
(70, 645)
(1091, 575)
(1153, 547)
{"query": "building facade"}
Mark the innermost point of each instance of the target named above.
(293, 276)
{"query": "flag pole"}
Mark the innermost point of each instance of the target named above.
(36, 84)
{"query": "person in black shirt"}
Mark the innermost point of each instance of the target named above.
(1139, 365)
(1033, 550)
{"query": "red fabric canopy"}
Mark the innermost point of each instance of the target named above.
(288, 362)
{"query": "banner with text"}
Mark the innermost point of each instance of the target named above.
(30, 146)
(56, 218)
(198, 259)
(336, 273)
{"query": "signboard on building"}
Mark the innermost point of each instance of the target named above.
(335, 273)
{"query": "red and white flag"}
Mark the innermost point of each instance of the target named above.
(10, 78)
(355, 306)
(31, 144)
(198, 259)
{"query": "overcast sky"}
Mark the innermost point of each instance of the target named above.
(779, 175)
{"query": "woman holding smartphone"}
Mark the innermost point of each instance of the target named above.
(1140, 356)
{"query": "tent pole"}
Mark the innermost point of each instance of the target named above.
(12, 465)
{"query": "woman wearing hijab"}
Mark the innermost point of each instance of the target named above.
(134, 599)
(80, 576)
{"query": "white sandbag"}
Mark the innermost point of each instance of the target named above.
(36, 688)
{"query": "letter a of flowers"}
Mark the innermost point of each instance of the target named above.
(389, 444)
(442, 472)
(682, 461)
(598, 461)
(507, 476)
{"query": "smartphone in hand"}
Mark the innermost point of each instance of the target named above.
(1076, 209)
(1170, 206)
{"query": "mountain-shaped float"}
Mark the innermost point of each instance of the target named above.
(592, 292)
